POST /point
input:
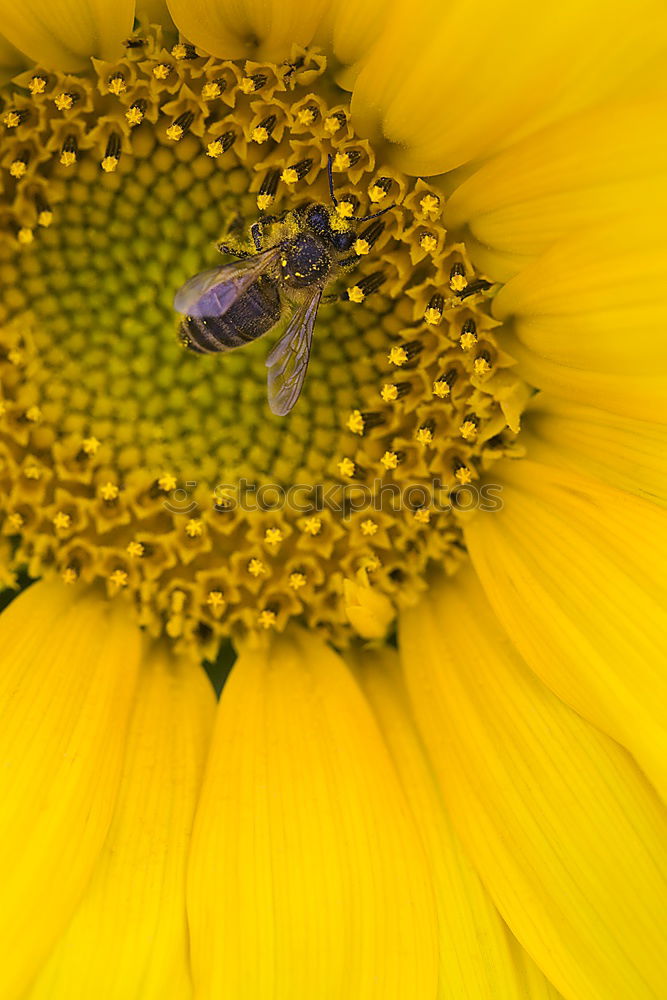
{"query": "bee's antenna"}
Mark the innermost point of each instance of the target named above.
(330, 176)
(352, 218)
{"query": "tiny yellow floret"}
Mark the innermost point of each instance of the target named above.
(389, 392)
(311, 526)
(194, 527)
(397, 356)
(389, 460)
(267, 619)
(355, 422)
(369, 528)
(346, 467)
(256, 567)
(135, 550)
(296, 580)
(109, 492)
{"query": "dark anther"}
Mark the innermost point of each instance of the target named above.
(301, 168)
(258, 81)
(353, 156)
(41, 204)
(475, 286)
(270, 183)
(484, 356)
(340, 117)
(429, 425)
(134, 43)
(227, 140)
(457, 271)
(113, 146)
(372, 420)
(384, 183)
(268, 124)
(140, 106)
(190, 51)
(73, 96)
(436, 302)
(314, 110)
(412, 348)
(184, 121)
(402, 388)
(469, 327)
(115, 76)
(69, 145)
(371, 282)
(372, 232)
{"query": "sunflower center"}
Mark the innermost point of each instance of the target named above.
(164, 472)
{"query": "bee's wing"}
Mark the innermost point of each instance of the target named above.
(288, 360)
(212, 292)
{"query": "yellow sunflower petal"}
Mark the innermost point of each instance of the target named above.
(307, 875)
(349, 29)
(255, 29)
(67, 683)
(64, 35)
(478, 958)
(637, 396)
(565, 832)
(449, 83)
(130, 933)
(11, 60)
(563, 178)
(594, 303)
(625, 453)
(575, 572)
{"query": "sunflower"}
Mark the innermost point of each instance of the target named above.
(366, 700)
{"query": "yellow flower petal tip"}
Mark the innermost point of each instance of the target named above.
(369, 612)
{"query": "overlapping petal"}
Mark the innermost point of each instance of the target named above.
(565, 832)
(575, 571)
(66, 33)
(128, 939)
(254, 29)
(307, 875)
(479, 959)
(67, 682)
(625, 453)
(590, 313)
(451, 83)
(568, 176)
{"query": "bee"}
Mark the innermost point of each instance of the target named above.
(228, 307)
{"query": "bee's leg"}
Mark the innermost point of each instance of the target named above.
(349, 261)
(264, 220)
(233, 251)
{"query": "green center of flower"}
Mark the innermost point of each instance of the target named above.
(163, 472)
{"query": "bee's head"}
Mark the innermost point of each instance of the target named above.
(317, 217)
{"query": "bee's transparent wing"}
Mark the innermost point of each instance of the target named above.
(212, 292)
(288, 360)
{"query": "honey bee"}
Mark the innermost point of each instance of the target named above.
(230, 306)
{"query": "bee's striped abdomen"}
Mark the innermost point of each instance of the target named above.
(251, 316)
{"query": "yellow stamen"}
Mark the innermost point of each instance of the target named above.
(468, 430)
(194, 527)
(256, 568)
(296, 580)
(389, 392)
(135, 550)
(61, 521)
(25, 235)
(109, 164)
(34, 414)
(369, 528)
(346, 467)
(90, 445)
(267, 619)
(389, 460)
(273, 536)
(216, 602)
(69, 575)
(259, 134)
(422, 515)
(312, 526)
(118, 579)
(355, 294)
(37, 85)
(18, 168)
(175, 132)
(424, 435)
(64, 102)
(109, 492)
(361, 247)
(463, 474)
(355, 422)
(430, 206)
(167, 482)
(398, 356)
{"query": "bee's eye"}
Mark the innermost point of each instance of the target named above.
(318, 219)
(343, 241)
